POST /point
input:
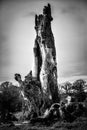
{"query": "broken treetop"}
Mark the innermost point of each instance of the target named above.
(46, 16)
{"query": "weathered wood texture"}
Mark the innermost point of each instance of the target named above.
(45, 66)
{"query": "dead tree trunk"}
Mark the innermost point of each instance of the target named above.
(45, 68)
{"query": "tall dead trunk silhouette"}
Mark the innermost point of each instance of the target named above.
(45, 65)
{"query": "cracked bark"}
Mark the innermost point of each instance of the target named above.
(45, 66)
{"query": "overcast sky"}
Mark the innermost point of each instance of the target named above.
(17, 37)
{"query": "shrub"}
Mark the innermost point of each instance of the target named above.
(9, 100)
(78, 89)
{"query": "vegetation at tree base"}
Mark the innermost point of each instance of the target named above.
(33, 92)
(34, 95)
(71, 108)
(11, 102)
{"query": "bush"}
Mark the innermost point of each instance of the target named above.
(10, 101)
(78, 89)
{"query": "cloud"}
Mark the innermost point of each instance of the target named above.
(70, 9)
(75, 10)
(74, 6)
(32, 13)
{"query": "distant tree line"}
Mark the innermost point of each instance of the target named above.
(78, 89)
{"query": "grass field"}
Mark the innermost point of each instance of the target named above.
(79, 124)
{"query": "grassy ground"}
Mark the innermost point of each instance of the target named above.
(79, 124)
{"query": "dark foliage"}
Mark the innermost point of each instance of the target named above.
(51, 116)
(9, 101)
(67, 87)
(32, 91)
(78, 88)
